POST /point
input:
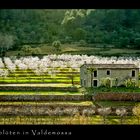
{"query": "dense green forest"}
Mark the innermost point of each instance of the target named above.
(118, 27)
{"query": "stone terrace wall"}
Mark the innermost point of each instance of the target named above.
(45, 98)
(22, 88)
(116, 97)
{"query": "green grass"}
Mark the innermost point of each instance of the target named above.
(30, 73)
(47, 49)
(53, 81)
(116, 103)
(113, 89)
(36, 82)
(28, 76)
(94, 120)
(41, 85)
(38, 93)
(75, 103)
(40, 78)
(47, 76)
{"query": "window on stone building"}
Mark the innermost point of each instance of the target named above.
(133, 73)
(95, 73)
(95, 83)
(108, 72)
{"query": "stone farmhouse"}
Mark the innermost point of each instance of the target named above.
(91, 75)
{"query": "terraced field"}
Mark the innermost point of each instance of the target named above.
(55, 113)
(56, 82)
(41, 120)
(63, 76)
(60, 79)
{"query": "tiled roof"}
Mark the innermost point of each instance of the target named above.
(111, 66)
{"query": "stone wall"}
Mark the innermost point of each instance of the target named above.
(116, 97)
(120, 74)
(22, 88)
(45, 98)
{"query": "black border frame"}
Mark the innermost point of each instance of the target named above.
(88, 131)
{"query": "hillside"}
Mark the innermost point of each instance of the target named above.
(118, 27)
(46, 49)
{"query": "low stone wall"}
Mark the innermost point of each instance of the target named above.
(95, 97)
(50, 110)
(22, 88)
(45, 98)
(116, 97)
(40, 110)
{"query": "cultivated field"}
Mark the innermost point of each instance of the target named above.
(47, 91)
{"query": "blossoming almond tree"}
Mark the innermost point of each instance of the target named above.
(121, 112)
(54, 63)
(104, 111)
(136, 112)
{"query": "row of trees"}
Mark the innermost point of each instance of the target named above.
(85, 116)
(53, 64)
(62, 61)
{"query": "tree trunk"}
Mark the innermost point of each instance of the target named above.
(72, 82)
(91, 78)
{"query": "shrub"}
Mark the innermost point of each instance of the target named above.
(57, 45)
(106, 82)
(83, 90)
(27, 49)
(130, 83)
(36, 51)
(82, 43)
